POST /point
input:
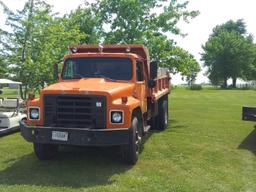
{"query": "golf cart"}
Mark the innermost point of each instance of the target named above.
(10, 107)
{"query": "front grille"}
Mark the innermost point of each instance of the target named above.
(77, 111)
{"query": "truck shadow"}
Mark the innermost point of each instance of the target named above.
(74, 167)
(3, 133)
(173, 126)
(249, 143)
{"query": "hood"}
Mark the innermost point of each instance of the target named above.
(90, 86)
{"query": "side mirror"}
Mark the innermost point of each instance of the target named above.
(151, 83)
(55, 71)
(153, 74)
(153, 69)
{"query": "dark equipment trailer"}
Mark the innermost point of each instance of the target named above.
(249, 114)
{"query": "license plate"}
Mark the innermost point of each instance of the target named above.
(59, 136)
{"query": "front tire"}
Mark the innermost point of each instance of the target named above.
(131, 151)
(45, 151)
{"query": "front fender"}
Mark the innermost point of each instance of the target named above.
(35, 103)
(128, 107)
(133, 103)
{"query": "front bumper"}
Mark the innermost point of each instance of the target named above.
(76, 136)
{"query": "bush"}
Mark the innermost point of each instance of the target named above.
(173, 87)
(246, 88)
(196, 87)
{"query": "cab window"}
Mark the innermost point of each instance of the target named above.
(109, 68)
(69, 69)
(139, 72)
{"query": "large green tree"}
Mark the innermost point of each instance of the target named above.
(228, 53)
(148, 22)
(88, 22)
(3, 67)
(37, 40)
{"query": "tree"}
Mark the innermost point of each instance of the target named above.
(38, 40)
(228, 53)
(249, 72)
(139, 22)
(185, 62)
(88, 23)
(3, 68)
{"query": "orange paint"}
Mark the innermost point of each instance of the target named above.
(138, 94)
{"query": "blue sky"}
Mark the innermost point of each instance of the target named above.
(212, 13)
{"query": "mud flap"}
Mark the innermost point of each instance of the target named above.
(249, 114)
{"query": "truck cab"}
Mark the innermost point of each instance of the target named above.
(105, 95)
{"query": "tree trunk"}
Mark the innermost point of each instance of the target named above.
(234, 82)
(25, 92)
(27, 33)
(21, 92)
(225, 83)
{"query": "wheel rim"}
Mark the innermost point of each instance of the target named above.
(166, 117)
(137, 140)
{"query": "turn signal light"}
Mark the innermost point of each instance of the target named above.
(124, 100)
(31, 96)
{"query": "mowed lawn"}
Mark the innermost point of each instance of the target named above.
(205, 148)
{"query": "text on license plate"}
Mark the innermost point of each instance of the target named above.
(59, 136)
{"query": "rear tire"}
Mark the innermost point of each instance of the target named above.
(131, 151)
(160, 122)
(163, 114)
(45, 151)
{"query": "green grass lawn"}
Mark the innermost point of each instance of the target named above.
(206, 148)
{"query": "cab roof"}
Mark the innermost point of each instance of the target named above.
(139, 50)
(7, 81)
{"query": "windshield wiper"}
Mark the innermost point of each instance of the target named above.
(102, 76)
(79, 76)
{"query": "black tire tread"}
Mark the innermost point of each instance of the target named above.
(45, 151)
(159, 120)
(129, 151)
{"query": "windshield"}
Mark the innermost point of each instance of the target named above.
(9, 91)
(108, 68)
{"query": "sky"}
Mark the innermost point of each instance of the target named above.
(212, 13)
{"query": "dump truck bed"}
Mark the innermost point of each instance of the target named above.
(163, 86)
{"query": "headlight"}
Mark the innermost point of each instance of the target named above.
(116, 117)
(34, 113)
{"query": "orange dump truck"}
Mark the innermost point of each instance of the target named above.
(105, 96)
